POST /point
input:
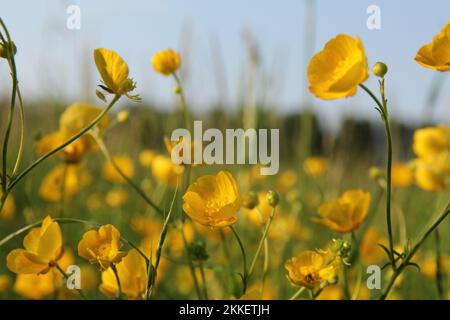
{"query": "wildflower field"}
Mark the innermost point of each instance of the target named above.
(100, 201)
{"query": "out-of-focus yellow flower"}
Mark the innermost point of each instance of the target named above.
(133, 277)
(260, 214)
(166, 62)
(345, 213)
(43, 248)
(74, 177)
(34, 286)
(123, 116)
(213, 200)
(369, 250)
(333, 292)
(116, 198)
(254, 292)
(315, 166)
(124, 163)
(285, 227)
(4, 283)
(309, 269)
(286, 180)
(337, 70)
(79, 115)
(102, 246)
(431, 141)
(436, 55)
(114, 71)
(431, 173)
(428, 266)
(73, 153)
(9, 208)
(402, 175)
(94, 201)
(176, 242)
(146, 157)
(146, 226)
(166, 172)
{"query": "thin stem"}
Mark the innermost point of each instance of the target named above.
(119, 286)
(244, 275)
(261, 242)
(65, 144)
(385, 117)
(189, 260)
(418, 243)
(439, 275)
(345, 283)
(63, 188)
(12, 66)
(108, 157)
(22, 134)
(183, 102)
(80, 292)
(153, 270)
(205, 286)
(298, 293)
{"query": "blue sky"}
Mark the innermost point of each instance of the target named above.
(56, 61)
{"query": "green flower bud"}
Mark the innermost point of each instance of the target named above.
(198, 252)
(177, 90)
(380, 69)
(272, 198)
(4, 49)
(250, 200)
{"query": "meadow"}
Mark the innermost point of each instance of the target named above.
(94, 207)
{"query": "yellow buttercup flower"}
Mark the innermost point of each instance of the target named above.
(78, 115)
(431, 173)
(43, 248)
(114, 71)
(74, 177)
(9, 208)
(35, 286)
(125, 164)
(345, 213)
(369, 250)
(133, 276)
(402, 175)
(309, 269)
(73, 153)
(286, 180)
(316, 166)
(213, 200)
(166, 62)
(436, 55)
(116, 198)
(102, 246)
(4, 283)
(146, 157)
(337, 70)
(165, 171)
(431, 141)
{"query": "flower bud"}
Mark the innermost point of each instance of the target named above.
(375, 173)
(272, 198)
(177, 89)
(380, 69)
(4, 49)
(123, 116)
(250, 200)
(198, 252)
(340, 248)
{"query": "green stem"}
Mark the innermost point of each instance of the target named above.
(439, 274)
(119, 286)
(139, 191)
(261, 243)
(12, 66)
(205, 286)
(80, 292)
(244, 275)
(297, 294)
(22, 134)
(385, 117)
(65, 144)
(418, 243)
